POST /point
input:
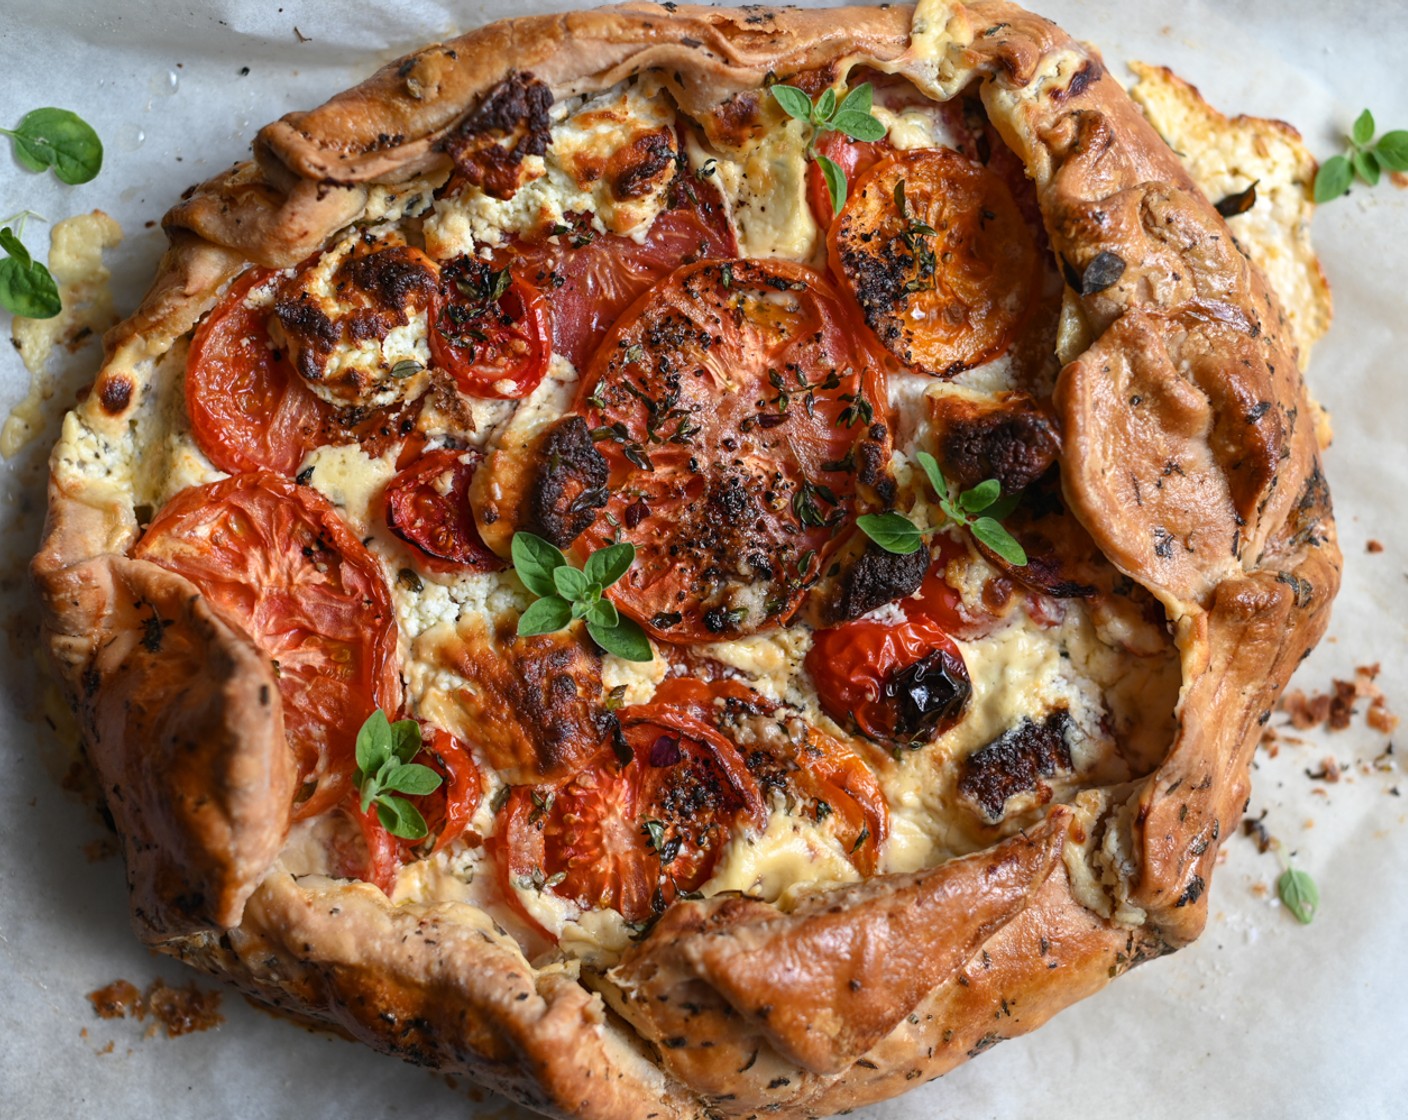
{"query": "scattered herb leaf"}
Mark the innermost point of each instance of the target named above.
(384, 768)
(59, 139)
(26, 287)
(1299, 894)
(1362, 157)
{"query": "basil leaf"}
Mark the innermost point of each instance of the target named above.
(26, 288)
(1299, 894)
(406, 740)
(59, 139)
(1366, 164)
(604, 613)
(412, 778)
(858, 126)
(535, 560)
(931, 469)
(990, 533)
(1363, 130)
(835, 182)
(14, 246)
(626, 640)
(1392, 150)
(893, 532)
(571, 583)
(825, 106)
(794, 102)
(373, 742)
(546, 616)
(981, 496)
(1333, 179)
(606, 565)
(400, 818)
(858, 100)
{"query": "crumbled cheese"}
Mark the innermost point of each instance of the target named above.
(350, 479)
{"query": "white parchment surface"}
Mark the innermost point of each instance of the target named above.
(1262, 1017)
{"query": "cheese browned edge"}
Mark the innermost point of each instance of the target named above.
(730, 1006)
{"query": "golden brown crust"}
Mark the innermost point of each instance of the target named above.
(1194, 489)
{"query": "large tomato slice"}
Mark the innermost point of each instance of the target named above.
(427, 506)
(277, 560)
(489, 330)
(738, 415)
(447, 811)
(946, 283)
(591, 278)
(647, 820)
(249, 410)
(896, 682)
(832, 783)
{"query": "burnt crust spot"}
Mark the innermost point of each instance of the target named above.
(115, 394)
(641, 162)
(391, 277)
(569, 483)
(1015, 444)
(514, 111)
(1012, 763)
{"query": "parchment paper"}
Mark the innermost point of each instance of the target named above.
(1262, 1017)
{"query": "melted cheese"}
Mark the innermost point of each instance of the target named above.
(790, 853)
(766, 185)
(350, 478)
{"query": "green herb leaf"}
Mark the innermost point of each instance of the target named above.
(931, 469)
(412, 778)
(571, 583)
(992, 534)
(892, 531)
(406, 740)
(835, 182)
(545, 616)
(1366, 165)
(626, 640)
(1299, 894)
(859, 100)
(1003, 506)
(655, 830)
(794, 102)
(981, 496)
(535, 560)
(1392, 150)
(400, 818)
(1363, 130)
(825, 106)
(373, 742)
(1333, 179)
(59, 139)
(26, 288)
(603, 613)
(606, 565)
(858, 126)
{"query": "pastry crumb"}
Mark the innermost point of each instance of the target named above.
(1335, 709)
(1373, 546)
(178, 1011)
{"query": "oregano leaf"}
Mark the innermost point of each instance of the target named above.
(892, 531)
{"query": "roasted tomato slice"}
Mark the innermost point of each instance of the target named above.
(854, 157)
(249, 410)
(945, 284)
(823, 776)
(739, 418)
(427, 506)
(895, 682)
(594, 277)
(647, 820)
(277, 560)
(447, 811)
(489, 330)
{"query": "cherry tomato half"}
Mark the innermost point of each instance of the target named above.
(489, 330)
(427, 506)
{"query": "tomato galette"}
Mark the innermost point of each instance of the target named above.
(693, 562)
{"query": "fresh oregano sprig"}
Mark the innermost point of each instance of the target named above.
(851, 116)
(26, 286)
(978, 510)
(566, 593)
(384, 769)
(1364, 156)
(59, 139)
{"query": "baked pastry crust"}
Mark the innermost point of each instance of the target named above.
(730, 1005)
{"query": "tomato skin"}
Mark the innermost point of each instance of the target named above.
(900, 683)
(722, 403)
(276, 560)
(492, 348)
(249, 410)
(592, 281)
(854, 157)
(439, 526)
